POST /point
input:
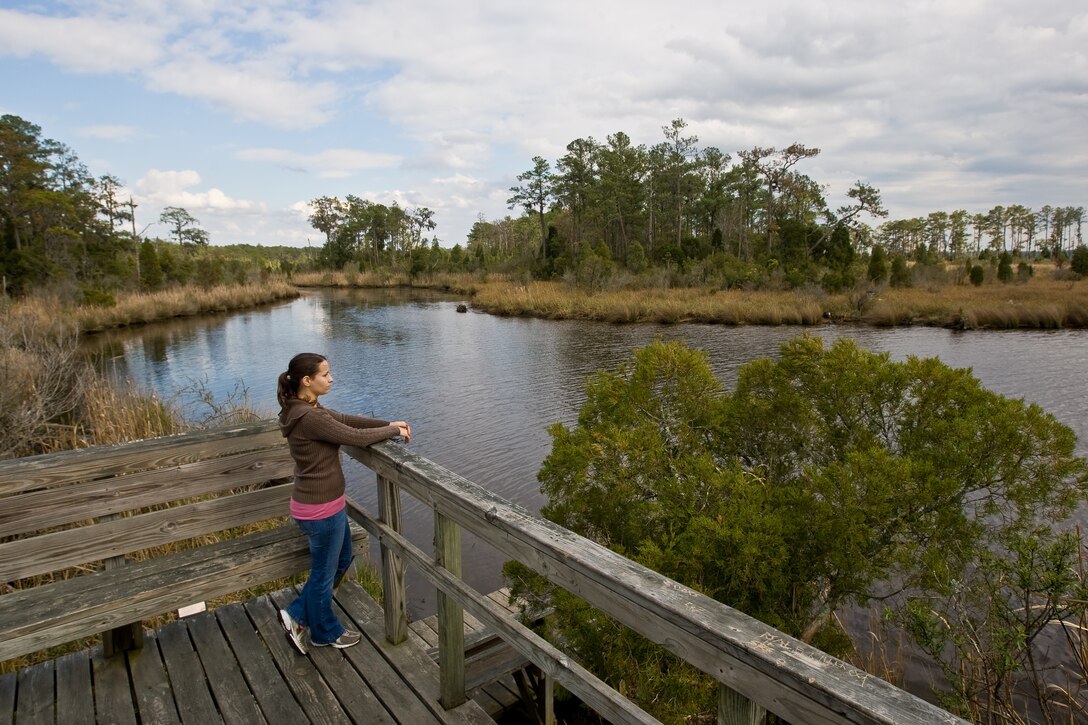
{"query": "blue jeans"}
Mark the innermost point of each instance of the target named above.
(330, 557)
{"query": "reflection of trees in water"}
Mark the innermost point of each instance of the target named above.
(363, 315)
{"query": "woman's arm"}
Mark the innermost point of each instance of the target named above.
(358, 421)
(320, 424)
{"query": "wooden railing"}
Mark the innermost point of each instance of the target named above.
(759, 668)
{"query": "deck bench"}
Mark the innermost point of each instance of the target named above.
(111, 518)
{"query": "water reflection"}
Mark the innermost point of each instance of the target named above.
(481, 391)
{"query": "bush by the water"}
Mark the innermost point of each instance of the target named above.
(825, 475)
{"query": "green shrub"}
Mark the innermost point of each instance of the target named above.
(978, 275)
(1079, 261)
(900, 275)
(878, 265)
(1004, 267)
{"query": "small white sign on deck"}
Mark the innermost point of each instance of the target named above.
(192, 609)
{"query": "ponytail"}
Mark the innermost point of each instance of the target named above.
(302, 365)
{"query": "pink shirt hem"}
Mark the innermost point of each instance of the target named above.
(315, 511)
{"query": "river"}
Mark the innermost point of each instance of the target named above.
(481, 391)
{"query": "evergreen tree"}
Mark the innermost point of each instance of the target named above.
(878, 265)
(900, 274)
(151, 276)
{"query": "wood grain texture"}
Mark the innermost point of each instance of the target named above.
(113, 697)
(36, 701)
(589, 688)
(194, 698)
(75, 698)
(8, 685)
(71, 547)
(236, 703)
(418, 672)
(52, 469)
(394, 597)
(314, 695)
(43, 616)
(451, 620)
(151, 684)
(61, 505)
(264, 679)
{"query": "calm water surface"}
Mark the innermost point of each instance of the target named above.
(480, 391)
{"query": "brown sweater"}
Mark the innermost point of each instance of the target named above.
(314, 435)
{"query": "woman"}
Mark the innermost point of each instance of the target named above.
(314, 435)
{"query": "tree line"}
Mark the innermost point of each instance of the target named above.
(677, 204)
(76, 235)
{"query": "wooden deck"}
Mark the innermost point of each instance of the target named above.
(235, 665)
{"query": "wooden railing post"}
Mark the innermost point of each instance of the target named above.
(736, 709)
(393, 589)
(451, 621)
(129, 636)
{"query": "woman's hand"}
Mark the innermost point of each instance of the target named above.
(405, 430)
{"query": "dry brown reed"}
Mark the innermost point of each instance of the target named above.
(458, 283)
(181, 302)
(1042, 302)
(881, 654)
(555, 300)
(1038, 303)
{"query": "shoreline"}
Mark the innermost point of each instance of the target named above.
(1039, 304)
(143, 309)
(1036, 304)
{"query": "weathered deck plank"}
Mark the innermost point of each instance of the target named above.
(7, 698)
(151, 684)
(351, 690)
(487, 680)
(75, 696)
(236, 703)
(191, 691)
(313, 693)
(235, 665)
(260, 672)
(415, 666)
(37, 682)
(113, 698)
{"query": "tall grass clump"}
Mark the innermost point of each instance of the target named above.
(44, 379)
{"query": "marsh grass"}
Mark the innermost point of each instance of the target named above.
(180, 302)
(557, 301)
(1047, 300)
(1045, 303)
(458, 283)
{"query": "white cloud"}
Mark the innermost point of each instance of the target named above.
(109, 133)
(171, 188)
(249, 91)
(81, 43)
(330, 163)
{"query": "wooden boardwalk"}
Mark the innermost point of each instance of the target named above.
(235, 665)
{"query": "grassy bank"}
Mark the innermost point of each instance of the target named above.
(1042, 303)
(457, 283)
(1039, 303)
(557, 301)
(138, 309)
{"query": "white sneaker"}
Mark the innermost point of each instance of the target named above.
(294, 630)
(347, 639)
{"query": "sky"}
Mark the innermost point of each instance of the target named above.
(241, 112)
